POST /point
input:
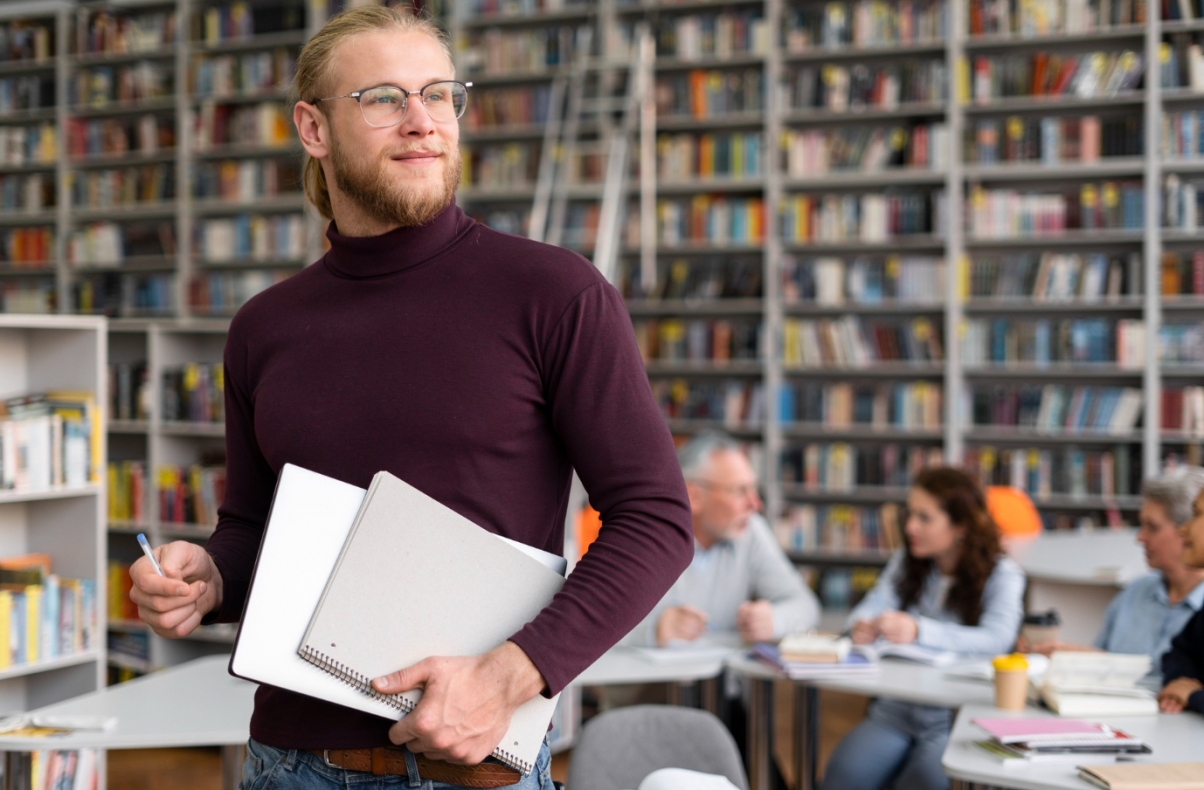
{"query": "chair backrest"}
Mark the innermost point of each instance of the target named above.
(619, 748)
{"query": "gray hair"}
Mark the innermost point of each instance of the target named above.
(1175, 490)
(695, 454)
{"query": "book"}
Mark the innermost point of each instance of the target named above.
(853, 664)
(908, 652)
(1146, 776)
(815, 648)
(1011, 756)
(1097, 684)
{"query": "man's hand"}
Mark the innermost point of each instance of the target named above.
(680, 622)
(173, 605)
(863, 632)
(466, 703)
(754, 621)
(898, 627)
(1174, 695)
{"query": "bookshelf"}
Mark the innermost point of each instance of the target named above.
(65, 521)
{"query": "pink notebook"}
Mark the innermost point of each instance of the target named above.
(1011, 730)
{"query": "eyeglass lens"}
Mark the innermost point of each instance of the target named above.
(386, 105)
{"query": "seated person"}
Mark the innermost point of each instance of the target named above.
(949, 588)
(1183, 664)
(1144, 616)
(740, 581)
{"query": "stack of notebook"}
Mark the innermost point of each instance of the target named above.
(802, 669)
(352, 585)
(1032, 740)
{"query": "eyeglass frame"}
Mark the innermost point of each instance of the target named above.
(405, 95)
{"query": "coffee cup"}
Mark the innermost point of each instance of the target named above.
(1011, 681)
(1041, 628)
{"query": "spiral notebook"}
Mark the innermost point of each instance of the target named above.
(311, 516)
(416, 579)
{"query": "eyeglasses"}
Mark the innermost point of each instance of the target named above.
(737, 490)
(385, 105)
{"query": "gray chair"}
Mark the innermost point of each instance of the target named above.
(617, 749)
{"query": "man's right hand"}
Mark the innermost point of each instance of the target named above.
(680, 622)
(173, 605)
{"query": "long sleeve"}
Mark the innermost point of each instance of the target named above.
(882, 597)
(1002, 611)
(775, 580)
(1104, 637)
(1185, 659)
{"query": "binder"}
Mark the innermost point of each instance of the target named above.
(309, 523)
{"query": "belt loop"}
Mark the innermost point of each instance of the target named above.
(412, 767)
(290, 759)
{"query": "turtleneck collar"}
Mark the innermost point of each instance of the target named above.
(360, 257)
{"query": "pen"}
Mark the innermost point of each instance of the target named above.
(146, 549)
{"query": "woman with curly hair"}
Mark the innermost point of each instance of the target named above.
(949, 588)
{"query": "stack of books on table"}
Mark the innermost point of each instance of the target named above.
(1097, 684)
(1044, 740)
(804, 656)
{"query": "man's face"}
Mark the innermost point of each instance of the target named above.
(399, 175)
(723, 498)
(1160, 537)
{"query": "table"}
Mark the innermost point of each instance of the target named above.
(1174, 738)
(903, 680)
(622, 665)
(194, 704)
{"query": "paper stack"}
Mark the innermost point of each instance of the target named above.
(1038, 740)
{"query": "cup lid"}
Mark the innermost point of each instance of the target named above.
(1015, 662)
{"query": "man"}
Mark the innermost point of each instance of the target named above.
(479, 367)
(740, 581)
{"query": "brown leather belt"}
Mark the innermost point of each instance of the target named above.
(389, 760)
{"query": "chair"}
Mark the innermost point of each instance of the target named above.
(620, 747)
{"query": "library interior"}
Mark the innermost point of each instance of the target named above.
(917, 286)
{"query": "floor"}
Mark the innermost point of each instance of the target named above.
(200, 769)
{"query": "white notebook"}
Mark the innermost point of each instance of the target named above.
(307, 528)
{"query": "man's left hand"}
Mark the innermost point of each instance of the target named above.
(754, 621)
(466, 704)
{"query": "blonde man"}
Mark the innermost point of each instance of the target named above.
(482, 368)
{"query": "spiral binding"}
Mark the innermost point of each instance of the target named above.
(363, 683)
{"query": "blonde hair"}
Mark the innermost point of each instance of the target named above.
(315, 67)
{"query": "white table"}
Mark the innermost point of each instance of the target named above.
(903, 680)
(194, 704)
(1173, 738)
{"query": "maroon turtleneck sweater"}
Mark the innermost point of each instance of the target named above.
(481, 368)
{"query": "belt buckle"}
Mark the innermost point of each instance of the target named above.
(326, 759)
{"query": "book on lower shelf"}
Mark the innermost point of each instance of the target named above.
(49, 440)
(58, 769)
(43, 616)
(839, 529)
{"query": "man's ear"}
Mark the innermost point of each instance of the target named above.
(313, 129)
(694, 491)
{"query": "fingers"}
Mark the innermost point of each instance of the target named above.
(414, 677)
(694, 614)
(157, 594)
(180, 559)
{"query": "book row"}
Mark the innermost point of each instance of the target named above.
(100, 86)
(710, 218)
(222, 293)
(1183, 410)
(106, 31)
(118, 603)
(724, 35)
(681, 157)
(129, 391)
(512, 165)
(710, 93)
(100, 244)
(190, 495)
(51, 770)
(508, 9)
(1084, 76)
(1009, 213)
(49, 440)
(127, 499)
(838, 528)
(113, 294)
(28, 92)
(128, 653)
(1055, 408)
(243, 20)
(1053, 139)
(27, 297)
(28, 145)
(1182, 9)
(1029, 18)
(909, 405)
(833, 281)
(194, 393)
(864, 23)
(146, 134)
(266, 124)
(1182, 203)
(852, 342)
(495, 51)
(864, 218)
(26, 248)
(245, 180)
(1183, 273)
(698, 340)
(125, 186)
(1181, 344)
(44, 616)
(247, 74)
(736, 404)
(1181, 63)
(840, 88)
(1069, 471)
(843, 466)
(702, 279)
(27, 193)
(252, 237)
(501, 107)
(865, 149)
(1043, 341)
(26, 40)
(1055, 277)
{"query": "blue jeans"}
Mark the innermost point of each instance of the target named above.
(898, 744)
(269, 768)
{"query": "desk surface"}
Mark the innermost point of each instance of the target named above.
(903, 680)
(1174, 739)
(1102, 557)
(194, 704)
(625, 665)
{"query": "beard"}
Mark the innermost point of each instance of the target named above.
(391, 200)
